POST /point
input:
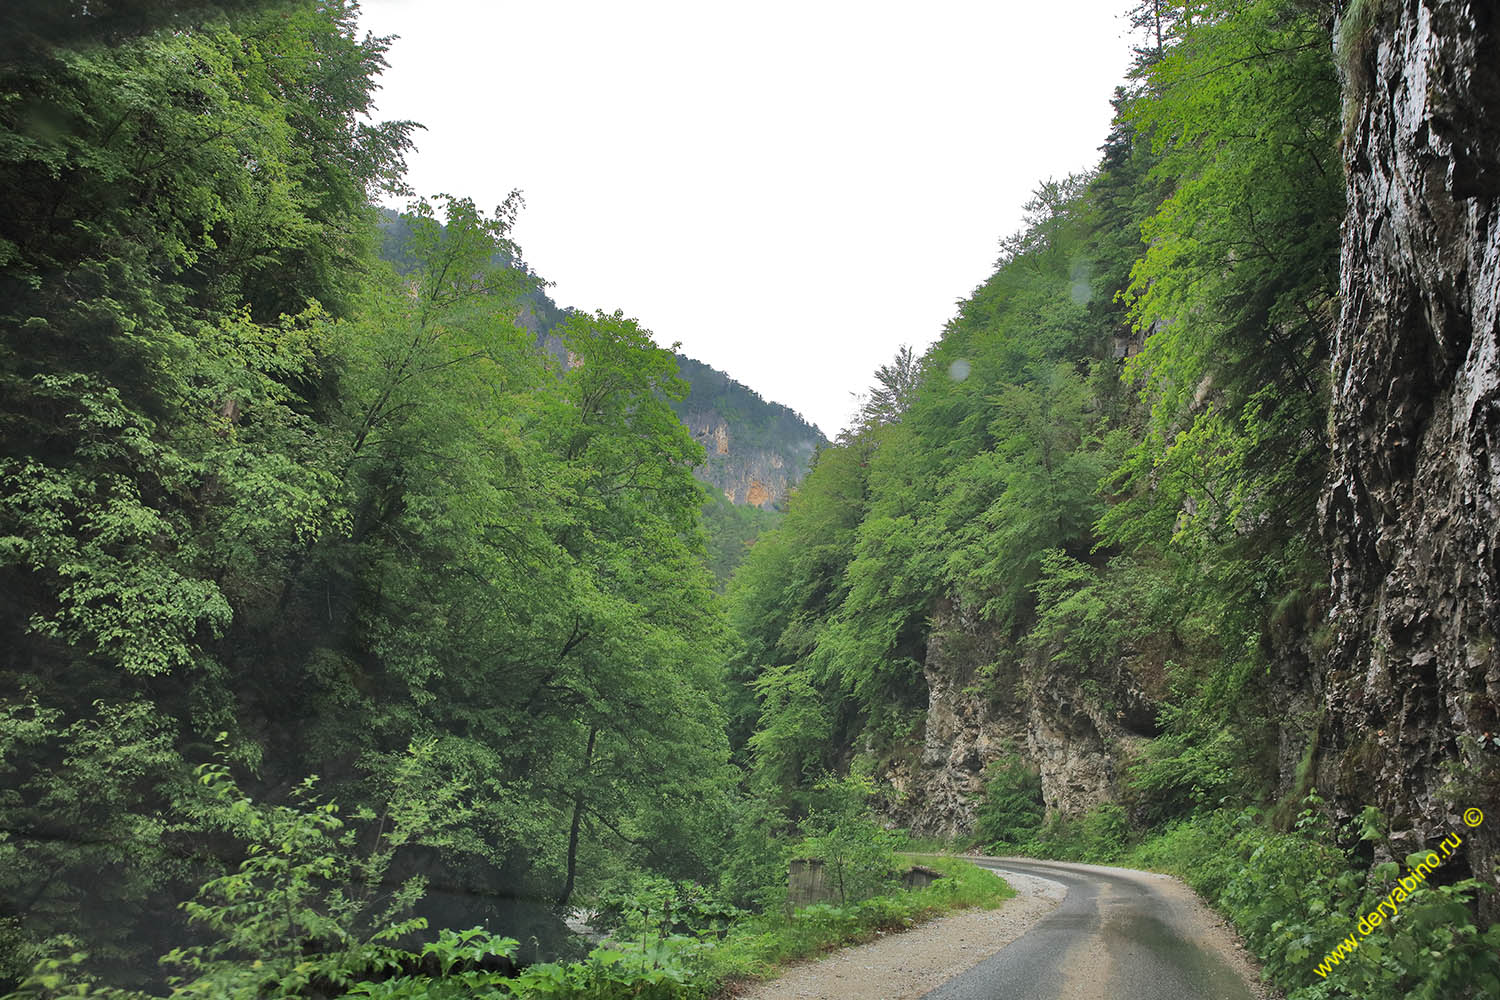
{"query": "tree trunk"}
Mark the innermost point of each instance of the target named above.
(588, 759)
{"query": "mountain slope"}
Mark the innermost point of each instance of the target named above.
(757, 450)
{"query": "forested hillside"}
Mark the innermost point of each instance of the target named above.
(356, 594)
(755, 451)
(1102, 481)
(1066, 588)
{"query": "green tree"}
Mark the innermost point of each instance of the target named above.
(157, 411)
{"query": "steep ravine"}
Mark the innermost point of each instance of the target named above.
(1412, 684)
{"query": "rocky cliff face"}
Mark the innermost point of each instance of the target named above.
(1411, 510)
(757, 476)
(756, 450)
(1078, 737)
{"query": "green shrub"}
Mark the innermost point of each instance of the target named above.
(752, 872)
(1295, 895)
(1097, 836)
(291, 921)
(640, 905)
(666, 969)
(1011, 811)
(1183, 770)
(858, 855)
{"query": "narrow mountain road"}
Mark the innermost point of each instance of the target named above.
(1119, 934)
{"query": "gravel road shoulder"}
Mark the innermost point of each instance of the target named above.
(909, 964)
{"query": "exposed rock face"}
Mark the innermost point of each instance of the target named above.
(758, 476)
(1413, 501)
(756, 450)
(1075, 740)
(939, 793)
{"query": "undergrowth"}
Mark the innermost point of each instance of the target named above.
(1296, 895)
(648, 959)
(755, 947)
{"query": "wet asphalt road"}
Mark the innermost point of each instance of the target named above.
(1118, 934)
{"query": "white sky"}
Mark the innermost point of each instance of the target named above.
(792, 190)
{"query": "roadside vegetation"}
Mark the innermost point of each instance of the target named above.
(1097, 494)
(1291, 892)
(309, 914)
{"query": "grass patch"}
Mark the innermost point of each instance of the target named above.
(906, 843)
(757, 947)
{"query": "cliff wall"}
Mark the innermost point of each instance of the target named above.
(757, 450)
(760, 476)
(1078, 732)
(1411, 688)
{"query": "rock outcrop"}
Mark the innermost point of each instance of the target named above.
(755, 451)
(1078, 738)
(1412, 683)
(759, 475)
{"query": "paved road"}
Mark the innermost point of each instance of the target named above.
(1118, 935)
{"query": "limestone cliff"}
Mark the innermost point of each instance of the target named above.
(756, 450)
(758, 476)
(1412, 685)
(1077, 731)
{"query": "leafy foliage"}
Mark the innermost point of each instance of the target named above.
(858, 856)
(1109, 461)
(1294, 895)
(731, 529)
(288, 922)
(409, 526)
(1011, 811)
(255, 481)
(1098, 835)
(756, 946)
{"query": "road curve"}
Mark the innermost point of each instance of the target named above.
(1118, 935)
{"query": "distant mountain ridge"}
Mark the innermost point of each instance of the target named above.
(757, 451)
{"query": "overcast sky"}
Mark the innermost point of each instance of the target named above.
(792, 190)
